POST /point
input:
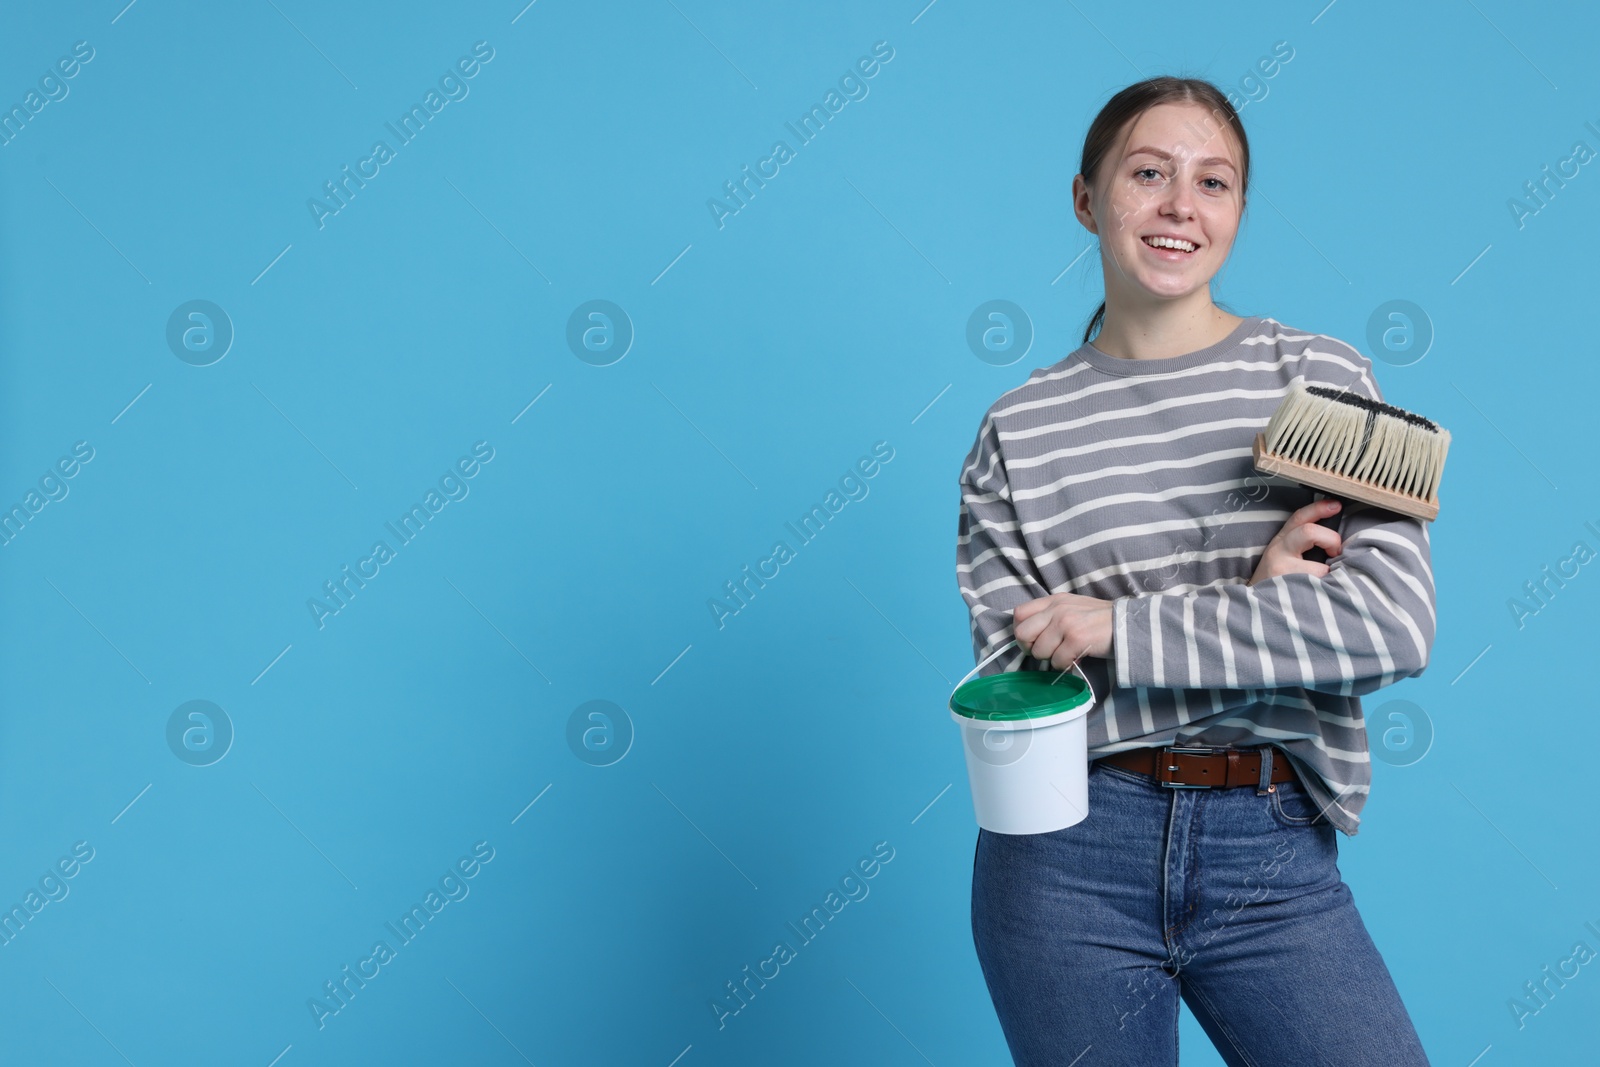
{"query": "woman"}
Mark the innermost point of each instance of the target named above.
(1110, 511)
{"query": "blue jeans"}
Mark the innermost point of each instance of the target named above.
(1230, 898)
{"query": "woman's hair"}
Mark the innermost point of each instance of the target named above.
(1134, 101)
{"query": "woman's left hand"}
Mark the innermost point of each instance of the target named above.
(1063, 627)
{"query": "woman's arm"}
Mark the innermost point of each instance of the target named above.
(994, 571)
(1366, 622)
(1369, 622)
(1363, 620)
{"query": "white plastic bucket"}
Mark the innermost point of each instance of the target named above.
(1029, 772)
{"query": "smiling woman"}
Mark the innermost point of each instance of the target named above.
(1228, 738)
(1178, 201)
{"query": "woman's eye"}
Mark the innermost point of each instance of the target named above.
(1146, 170)
(1220, 184)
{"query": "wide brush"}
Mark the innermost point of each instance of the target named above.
(1360, 450)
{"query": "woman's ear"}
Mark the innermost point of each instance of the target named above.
(1082, 204)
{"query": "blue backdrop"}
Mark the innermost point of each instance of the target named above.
(575, 370)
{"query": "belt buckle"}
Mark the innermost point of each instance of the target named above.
(1164, 765)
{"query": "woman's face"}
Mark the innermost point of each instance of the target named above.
(1175, 174)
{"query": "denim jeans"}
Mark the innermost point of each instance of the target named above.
(1230, 898)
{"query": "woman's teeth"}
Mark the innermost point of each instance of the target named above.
(1170, 242)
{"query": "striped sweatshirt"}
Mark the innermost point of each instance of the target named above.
(1132, 481)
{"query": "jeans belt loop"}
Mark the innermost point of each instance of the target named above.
(1265, 786)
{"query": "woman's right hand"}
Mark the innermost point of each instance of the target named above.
(1299, 534)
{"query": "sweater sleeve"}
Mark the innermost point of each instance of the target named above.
(994, 571)
(1368, 622)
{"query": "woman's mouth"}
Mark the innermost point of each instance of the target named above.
(1170, 248)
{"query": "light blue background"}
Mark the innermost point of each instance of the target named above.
(830, 313)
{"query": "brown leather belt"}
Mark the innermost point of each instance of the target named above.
(1183, 766)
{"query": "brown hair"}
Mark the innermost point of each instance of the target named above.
(1131, 102)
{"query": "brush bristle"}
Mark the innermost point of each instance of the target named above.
(1345, 433)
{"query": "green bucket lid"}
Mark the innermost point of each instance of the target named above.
(1014, 695)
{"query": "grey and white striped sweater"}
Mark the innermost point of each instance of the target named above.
(1131, 480)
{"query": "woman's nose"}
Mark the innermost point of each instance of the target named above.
(1179, 198)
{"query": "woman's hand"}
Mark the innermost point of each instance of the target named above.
(1063, 627)
(1299, 534)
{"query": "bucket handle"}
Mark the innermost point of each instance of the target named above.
(1013, 642)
